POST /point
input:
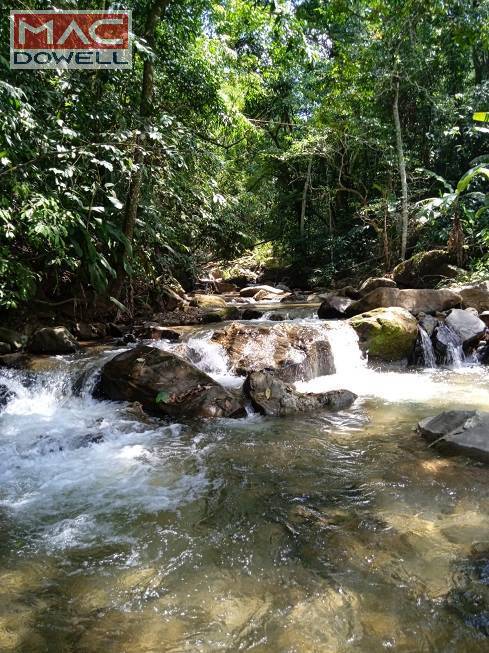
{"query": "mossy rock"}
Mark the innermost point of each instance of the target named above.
(425, 270)
(386, 333)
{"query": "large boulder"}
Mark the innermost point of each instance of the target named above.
(294, 352)
(376, 282)
(165, 383)
(386, 333)
(415, 301)
(271, 396)
(334, 307)
(251, 291)
(460, 431)
(475, 295)
(467, 326)
(424, 270)
(52, 340)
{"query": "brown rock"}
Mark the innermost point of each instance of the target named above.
(165, 383)
(293, 351)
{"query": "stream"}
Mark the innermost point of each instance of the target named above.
(320, 533)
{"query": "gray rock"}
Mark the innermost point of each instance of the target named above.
(468, 327)
(166, 384)
(334, 307)
(52, 340)
(271, 396)
(459, 431)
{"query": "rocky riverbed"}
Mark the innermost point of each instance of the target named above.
(256, 484)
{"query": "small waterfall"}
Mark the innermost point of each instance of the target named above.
(450, 351)
(208, 356)
(429, 358)
(345, 348)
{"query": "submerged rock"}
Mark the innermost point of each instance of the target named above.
(52, 340)
(460, 431)
(220, 314)
(295, 352)
(272, 396)
(251, 314)
(5, 395)
(415, 301)
(386, 333)
(167, 384)
(277, 317)
(334, 307)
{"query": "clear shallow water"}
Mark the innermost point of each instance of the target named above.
(319, 533)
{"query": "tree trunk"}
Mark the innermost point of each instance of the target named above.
(480, 54)
(402, 170)
(302, 223)
(145, 110)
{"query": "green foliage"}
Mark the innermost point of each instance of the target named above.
(271, 122)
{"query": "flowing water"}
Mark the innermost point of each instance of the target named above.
(321, 533)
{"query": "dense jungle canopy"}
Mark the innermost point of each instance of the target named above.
(327, 136)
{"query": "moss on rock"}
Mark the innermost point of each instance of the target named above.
(386, 333)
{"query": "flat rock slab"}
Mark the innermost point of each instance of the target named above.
(415, 301)
(459, 431)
